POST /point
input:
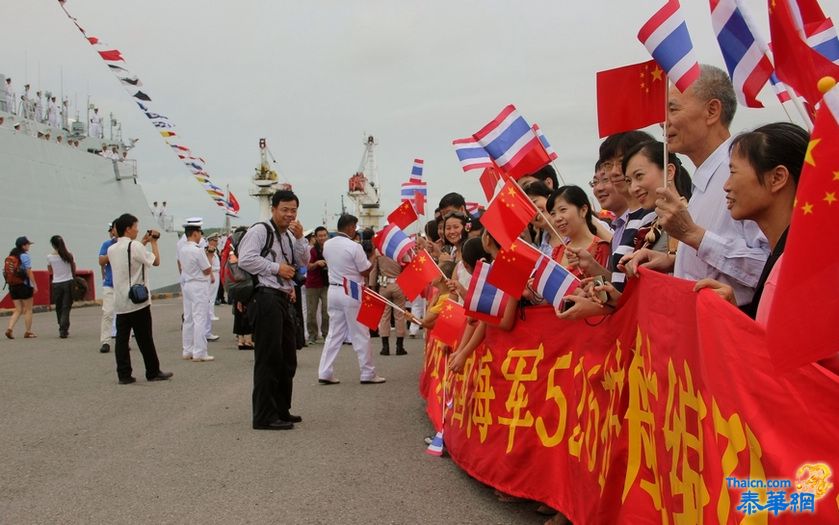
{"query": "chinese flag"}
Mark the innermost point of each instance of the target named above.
(796, 63)
(450, 323)
(419, 202)
(403, 216)
(417, 274)
(630, 97)
(372, 308)
(491, 180)
(805, 310)
(508, 214)
(513, 266)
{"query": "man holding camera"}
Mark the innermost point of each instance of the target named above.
(129, 261)
(272, 251)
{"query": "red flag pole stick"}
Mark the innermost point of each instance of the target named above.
(371, 292)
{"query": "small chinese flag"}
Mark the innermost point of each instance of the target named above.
(513, 267)
(450, 323)
(492, 180)
(371, 310)
(419, 202)
(805, 309)
(630, 97)
(416, 275)
(403, 216)
(508, 214)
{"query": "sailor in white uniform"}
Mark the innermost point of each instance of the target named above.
(9, 96)
(38, 104)
(212, 254)
(196, 274)
(53, 119)
(95, 128)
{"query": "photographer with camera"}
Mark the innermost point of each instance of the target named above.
(129, 260)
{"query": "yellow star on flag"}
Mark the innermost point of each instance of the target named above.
(830, 197)
(808, 157)
(807, 208)
(421, 259)
(657, 73)
(836, 175)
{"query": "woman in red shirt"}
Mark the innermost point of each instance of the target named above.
(571, 211)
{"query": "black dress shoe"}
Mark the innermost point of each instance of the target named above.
(292, 418)
(161, 376)
(274, 425)
(127, 380)
(401, 351)
(385, 351)
(105, 348)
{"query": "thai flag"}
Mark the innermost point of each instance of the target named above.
(666, 37)
(512, 144)
(435, 448)
(553, 282)
(824, 40)
(393, 242)
(416, 170)
(474, 209)
(780, 88)
(352, 289)
(745, 57)
(471, 155)
(545, 144)
(484, 301)
(412, 187)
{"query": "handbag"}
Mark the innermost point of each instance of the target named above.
(137, 293)
(240, 287)
(78, 288)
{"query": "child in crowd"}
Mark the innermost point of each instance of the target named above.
(441, 286)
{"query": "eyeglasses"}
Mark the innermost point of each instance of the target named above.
(602, 180)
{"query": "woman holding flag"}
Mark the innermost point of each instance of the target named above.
(573, 219)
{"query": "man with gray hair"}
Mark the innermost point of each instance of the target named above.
(712, 244)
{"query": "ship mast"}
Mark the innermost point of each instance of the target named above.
(364, 187)
(266, 182)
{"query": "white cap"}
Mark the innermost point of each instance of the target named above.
(193, 222)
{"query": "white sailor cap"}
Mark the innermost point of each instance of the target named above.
(194, 222)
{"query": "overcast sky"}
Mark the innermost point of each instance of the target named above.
(313, 76)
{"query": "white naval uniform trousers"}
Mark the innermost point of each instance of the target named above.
(343, 326)
(194, 337)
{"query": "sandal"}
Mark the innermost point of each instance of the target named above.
(29, 335)
(9, 334)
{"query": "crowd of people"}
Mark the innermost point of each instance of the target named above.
(724, 227)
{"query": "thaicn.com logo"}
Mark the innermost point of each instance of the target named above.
(812, 482)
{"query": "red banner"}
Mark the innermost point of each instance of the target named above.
(668, 411)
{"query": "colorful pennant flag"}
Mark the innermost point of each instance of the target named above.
(448, 328)
(666, 37)
(513, 267)
(508, 214)
(403, 216)
(112, 55)
(392, 242)
(232, 204)
(797, 334)
(630, 97)
(371, 310)
(553, 281)
(418, 274)
(484, 301)
(512, 144)
(748, 64)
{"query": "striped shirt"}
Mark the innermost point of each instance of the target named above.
(626, 227)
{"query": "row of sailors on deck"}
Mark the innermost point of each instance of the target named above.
(45, 110)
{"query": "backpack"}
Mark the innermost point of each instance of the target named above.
(240, 284)
(13, 271)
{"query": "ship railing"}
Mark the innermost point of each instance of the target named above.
(125, 169)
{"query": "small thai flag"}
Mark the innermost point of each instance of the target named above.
(484, 301)
(666, 37)
(393, 242)
(780, 88)
(553, 282)
(416, 171)
(545, 144)
(411, 187)
(436, 446)
(474, 209)
(745, 57)
(471, 155)
(512, 143)
(823, 39)
(352, 289)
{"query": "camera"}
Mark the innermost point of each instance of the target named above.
(602, 295)
(153, 234)
(565, 305)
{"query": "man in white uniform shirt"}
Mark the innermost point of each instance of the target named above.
(712, 244)
(211, 253)
(346, 258)
(9, 95)
(130, 262)
(196, 275)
